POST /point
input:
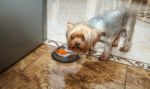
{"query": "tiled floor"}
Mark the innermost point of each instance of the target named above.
(39, 71)
(62, 11)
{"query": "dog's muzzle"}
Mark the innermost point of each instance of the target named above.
(77, 45)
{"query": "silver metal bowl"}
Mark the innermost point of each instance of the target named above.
(69, 57)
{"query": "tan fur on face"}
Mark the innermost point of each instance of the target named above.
(77, 38)
(76, 33)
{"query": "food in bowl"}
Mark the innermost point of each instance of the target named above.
(64, 55)
(61, 51)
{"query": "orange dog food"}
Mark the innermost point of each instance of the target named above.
(61, 51)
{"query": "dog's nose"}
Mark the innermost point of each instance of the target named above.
(77, 44)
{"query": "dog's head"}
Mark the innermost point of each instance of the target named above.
(81, 37)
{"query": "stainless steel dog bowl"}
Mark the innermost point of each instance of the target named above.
(67, 58)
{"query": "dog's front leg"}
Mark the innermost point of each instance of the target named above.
(90, 52)
(107, 50)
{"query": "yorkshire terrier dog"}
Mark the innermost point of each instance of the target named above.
(82, 37)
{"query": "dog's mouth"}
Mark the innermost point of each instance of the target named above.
(77, 49)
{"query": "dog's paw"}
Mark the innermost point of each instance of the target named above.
(104, 57)
(124, 49)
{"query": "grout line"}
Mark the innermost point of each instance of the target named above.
(126, 77)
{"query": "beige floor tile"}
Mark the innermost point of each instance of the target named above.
(86, 73)
(33, 77)
(11, 73)
(137, 78)
(97, 75)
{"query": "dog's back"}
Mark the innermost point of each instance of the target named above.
(110, 22)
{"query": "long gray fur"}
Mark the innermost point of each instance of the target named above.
(113, 23)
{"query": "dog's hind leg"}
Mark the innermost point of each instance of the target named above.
(116, 41)
(131, 20)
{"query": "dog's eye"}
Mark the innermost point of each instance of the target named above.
(72, 37)
(83, 38)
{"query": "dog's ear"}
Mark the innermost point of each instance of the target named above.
(70, 25)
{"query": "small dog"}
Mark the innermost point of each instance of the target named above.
(82, 37)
